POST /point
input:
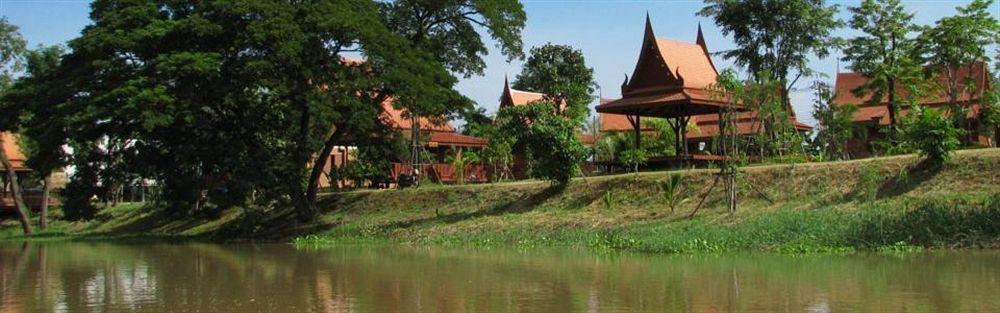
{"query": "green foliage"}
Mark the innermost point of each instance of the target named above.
(460, 159)
(658, 142)
(83, 189)
(932, 134)
(836, 123)
(960, 41)
(561, 73)
(671, 190)
(179, 113)
(989, 113)
(609, 200)
(549, 140)
(884, 52)
(775, 36)
(634, 158)
(870, 178)
(12, 49)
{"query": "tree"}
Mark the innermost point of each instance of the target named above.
(931, 134)
(12, 49)
(836, 123)
(960, 41)
(446, 32)
(460, 159)
(989, 115)
(561, 73)
(549, 139)
(179, 113)
(775, 36)
(883, 52)
(41, 135)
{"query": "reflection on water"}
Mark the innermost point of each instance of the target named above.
(95, 277)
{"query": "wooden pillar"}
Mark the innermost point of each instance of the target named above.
(682, 128)
(636, 127)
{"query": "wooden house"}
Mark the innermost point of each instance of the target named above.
(873, 116)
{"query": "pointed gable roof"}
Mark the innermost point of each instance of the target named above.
(514, 97)
(671, 78)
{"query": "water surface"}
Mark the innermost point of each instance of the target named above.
(104, 277)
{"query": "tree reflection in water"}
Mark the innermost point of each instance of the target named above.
(104, 277)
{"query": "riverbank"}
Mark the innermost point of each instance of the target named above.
(885, 203)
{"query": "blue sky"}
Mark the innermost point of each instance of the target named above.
(608, 32)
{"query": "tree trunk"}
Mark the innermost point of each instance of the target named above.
(317, 170)
(22, 208)
(43, 214)
(893, 106)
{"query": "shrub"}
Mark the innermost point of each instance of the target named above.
(931, 134)
(671, 189)
(634, 158)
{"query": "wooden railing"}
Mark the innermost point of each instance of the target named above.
(444, 173)
(32, 197)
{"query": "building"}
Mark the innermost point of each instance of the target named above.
(873, 116)
(672, 80)
(438, 137)
(31, 191)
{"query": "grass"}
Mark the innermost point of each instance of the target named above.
(884, 204)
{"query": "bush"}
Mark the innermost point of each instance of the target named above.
(931, 134)
(634, 158)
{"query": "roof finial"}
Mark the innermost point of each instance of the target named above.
(649, 27)
(625, 83)
(701, 38)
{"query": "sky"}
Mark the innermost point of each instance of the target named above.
(608, 32)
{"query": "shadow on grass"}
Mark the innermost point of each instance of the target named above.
(908, 180)
(522, 205)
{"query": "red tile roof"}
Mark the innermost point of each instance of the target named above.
(514, 97)
(14, 154)
(878, 112)
(396, 118)
(456, 140)
(689, 61)
(671, 78)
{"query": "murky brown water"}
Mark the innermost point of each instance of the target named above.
(102, 277)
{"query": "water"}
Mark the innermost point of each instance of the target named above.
(103, 277)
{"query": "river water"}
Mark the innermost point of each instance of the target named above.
(104, 277)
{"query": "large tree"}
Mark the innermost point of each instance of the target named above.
(561, 73)
(960, 41)
(249, 94)
(447, 32)
(883, 51)
(774, 40)
(12, 49)
(42, 134)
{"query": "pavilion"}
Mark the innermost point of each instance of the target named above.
(672, 80)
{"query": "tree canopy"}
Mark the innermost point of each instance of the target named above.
(884, 52)
(561, 73)
(247, 93)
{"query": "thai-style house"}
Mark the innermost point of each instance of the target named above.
(873, 116)
(32, 196)
(437, 137)
(672, 80)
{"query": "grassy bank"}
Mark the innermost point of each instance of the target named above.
(885, 203)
